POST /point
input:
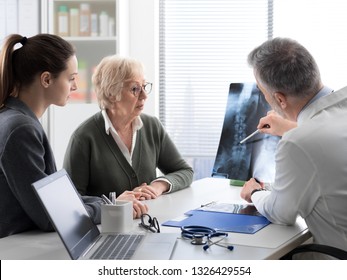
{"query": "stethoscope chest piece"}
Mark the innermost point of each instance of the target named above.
(201, 235)
(198, 239)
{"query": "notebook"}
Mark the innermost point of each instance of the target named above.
(82, 238)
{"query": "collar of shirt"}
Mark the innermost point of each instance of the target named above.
(137, 125)
(323, 92)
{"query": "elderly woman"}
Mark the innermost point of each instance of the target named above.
(119, 149)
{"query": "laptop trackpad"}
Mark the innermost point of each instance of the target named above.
(156, 246)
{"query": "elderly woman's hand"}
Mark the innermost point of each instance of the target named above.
(139, 208)
(153, 190)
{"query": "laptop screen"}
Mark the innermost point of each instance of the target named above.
(67, 212)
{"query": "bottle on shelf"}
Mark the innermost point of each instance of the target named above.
(84, 19)
(94, 25)
(103, 24)
(82, 82)
(74, 22)
(111, 26)
(63, 21)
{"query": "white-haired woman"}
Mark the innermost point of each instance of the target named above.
(119, 148)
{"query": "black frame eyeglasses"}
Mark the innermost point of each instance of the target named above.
(146, 88)
(149, 223)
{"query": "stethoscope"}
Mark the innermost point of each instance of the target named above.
(201, 235)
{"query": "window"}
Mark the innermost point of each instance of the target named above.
(321, 27)
(203, 48)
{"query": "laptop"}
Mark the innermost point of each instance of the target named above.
(82, 238)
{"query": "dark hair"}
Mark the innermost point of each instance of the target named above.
(284, 65)
(37, 54)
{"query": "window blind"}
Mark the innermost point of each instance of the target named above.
(203, 48)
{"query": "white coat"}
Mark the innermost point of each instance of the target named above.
(311, 173)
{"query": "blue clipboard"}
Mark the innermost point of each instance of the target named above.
(229, 222)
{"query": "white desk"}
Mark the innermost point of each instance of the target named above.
(271, 242)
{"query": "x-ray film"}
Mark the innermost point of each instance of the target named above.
(255, 157)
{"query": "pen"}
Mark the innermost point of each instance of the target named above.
(257, 180)
(106, 200)
(208, 204)
(112, 197)
(254, 133)
(249, 136)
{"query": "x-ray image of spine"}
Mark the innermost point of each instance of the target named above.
(245, 106)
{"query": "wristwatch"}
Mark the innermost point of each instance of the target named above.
(256, 190)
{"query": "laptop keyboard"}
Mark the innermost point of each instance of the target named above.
(117, 247)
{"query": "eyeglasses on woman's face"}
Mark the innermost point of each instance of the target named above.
(136, 89)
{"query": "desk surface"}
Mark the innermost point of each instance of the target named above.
(271, 242)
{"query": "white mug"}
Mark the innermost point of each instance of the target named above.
(117, 218)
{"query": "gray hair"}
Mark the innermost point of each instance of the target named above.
(284, 65)
(109, 77)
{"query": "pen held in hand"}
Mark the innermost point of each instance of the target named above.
(254, 133)
(249, 136)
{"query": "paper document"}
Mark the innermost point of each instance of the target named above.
(245, 209)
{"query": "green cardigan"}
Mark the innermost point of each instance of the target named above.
(97, 166)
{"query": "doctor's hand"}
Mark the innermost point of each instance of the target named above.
(249, 187)
(275, 124)
(138, 207)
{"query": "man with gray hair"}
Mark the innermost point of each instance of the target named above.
(311, 161)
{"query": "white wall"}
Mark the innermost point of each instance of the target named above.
(63, 121)
(143, 44)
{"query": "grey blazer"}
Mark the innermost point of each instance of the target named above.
(25, 157)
